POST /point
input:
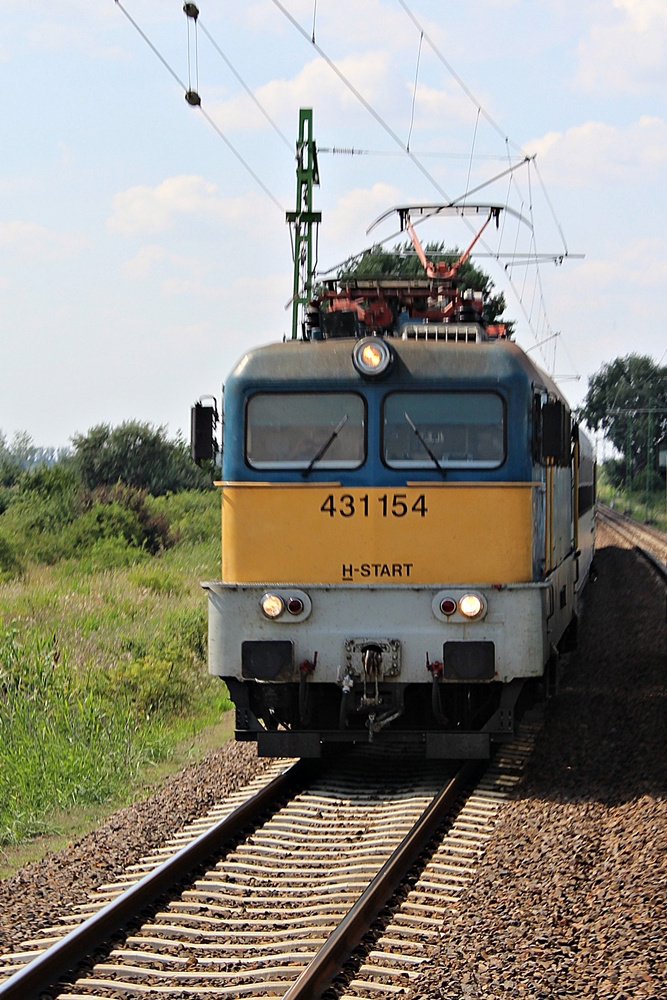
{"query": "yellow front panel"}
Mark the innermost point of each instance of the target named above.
(430, 534)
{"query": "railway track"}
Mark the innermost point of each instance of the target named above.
(650, 542)
(280, 913)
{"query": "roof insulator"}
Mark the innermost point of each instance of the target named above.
(193, 98)
(191, 10)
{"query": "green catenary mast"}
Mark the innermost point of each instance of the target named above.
(304, 219)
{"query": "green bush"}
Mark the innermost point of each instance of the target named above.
(193, 516)
(102, 521)
(137, 454)
(154, 524)
(52, 517)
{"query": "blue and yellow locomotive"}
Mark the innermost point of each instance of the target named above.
(407, 524)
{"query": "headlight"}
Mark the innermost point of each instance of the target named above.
(272, 605)
(372, 356)
(470, 605)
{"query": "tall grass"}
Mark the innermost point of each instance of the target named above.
(63, 742)
(102, 661)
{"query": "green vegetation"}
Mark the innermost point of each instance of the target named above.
(63, 741)
(627, 398)
(649, 508)
(138, 455)
(102, 631)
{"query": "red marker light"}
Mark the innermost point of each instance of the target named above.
(295, 605)
(448, 606)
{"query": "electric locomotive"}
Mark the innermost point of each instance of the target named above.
(407, 525)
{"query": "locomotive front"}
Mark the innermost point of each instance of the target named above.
(400, 548)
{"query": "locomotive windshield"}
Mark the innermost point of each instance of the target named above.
(304, 430)
(453, 428)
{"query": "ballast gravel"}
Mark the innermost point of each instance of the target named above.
(570, 897)
(36, 895)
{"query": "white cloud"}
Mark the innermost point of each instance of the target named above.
(372, 21)
(78, 26)
(597, 152)
(145, 209)
(145, 262)
(316, 85)
(637, 264)
(626, 49)
(438, 105)
(643, 14)
(29, 239)
(354, 212)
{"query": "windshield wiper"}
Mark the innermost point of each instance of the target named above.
(325, 447)
(425, 446)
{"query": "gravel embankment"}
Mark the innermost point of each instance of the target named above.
(570, 898)
(35, 896)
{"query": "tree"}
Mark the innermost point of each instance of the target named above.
(22, 454)
(627, 398)
(138, 455)
(403, 262)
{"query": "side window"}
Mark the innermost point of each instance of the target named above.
(301, 430)
(460, 429)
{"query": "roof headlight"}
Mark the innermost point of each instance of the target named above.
(272, 605)
(471, 605)
(372, 356)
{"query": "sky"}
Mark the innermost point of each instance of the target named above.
(144, 249)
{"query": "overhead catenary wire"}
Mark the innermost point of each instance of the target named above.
(362, 100)
(472, 154)
(414, 91)
(193, 99)
(531, 161)
(548, 201)
(192, 14)
(387, 128)
(249, 91)
(528, 160)
(314, 18)
(539, 288)
(423, 154)
(517, 258)
(450, 69)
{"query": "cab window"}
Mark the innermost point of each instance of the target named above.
(304, 430)
(459, 429)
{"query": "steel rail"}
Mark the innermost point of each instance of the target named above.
(326, 965)
(63, 957)
(622, 521)
(631, 530)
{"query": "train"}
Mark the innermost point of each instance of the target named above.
(407, 524)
